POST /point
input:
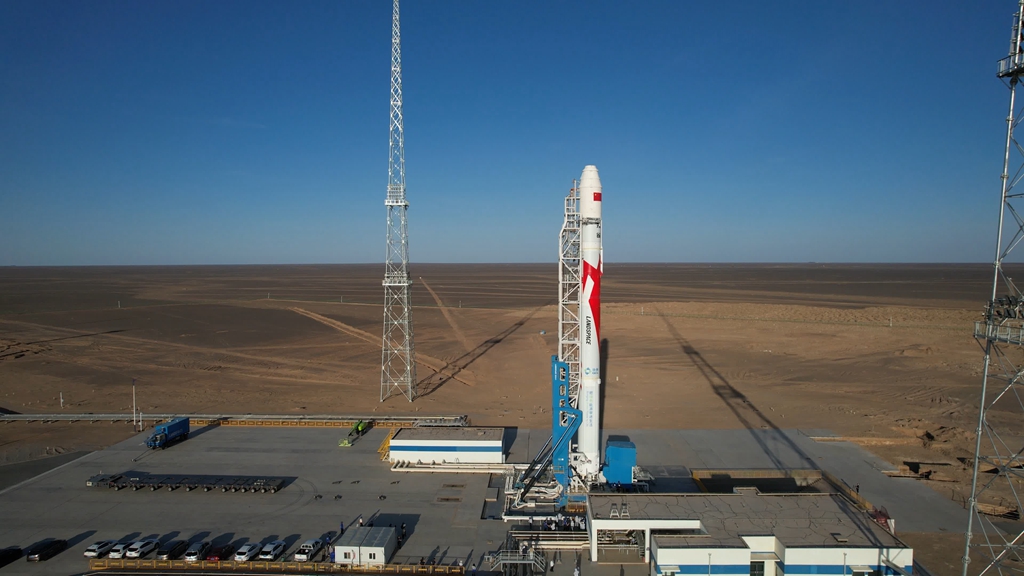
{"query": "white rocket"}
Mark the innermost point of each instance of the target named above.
(590, 329)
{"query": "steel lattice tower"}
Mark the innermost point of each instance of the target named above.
(569, 292)
(398, 368)
(998, 471)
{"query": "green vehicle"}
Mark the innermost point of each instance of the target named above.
(357, 431)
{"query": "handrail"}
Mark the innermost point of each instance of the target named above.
(1001, 333)
(252, 419)
(270, 567)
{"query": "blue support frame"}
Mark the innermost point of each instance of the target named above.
(565, 421)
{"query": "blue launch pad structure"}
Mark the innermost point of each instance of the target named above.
(555, 454)
(565, 421)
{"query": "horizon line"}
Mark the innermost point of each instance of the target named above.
(625, 262)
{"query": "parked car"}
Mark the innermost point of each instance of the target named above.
(141, 549)
(220, 553)
(119, 549)
(99, 549)
(247, 552)
(197, 551)
(308, 550)
(172, 550)
(8, 555)
(272, 550)
(46, 550)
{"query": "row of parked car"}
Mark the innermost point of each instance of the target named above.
(203, 550)
(37, 553)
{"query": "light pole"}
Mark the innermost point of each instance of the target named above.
(135, 421)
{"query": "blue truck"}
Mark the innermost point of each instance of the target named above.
(168, 433)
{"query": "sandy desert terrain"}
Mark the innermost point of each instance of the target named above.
(879, 353)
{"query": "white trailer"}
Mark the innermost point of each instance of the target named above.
(366, 546)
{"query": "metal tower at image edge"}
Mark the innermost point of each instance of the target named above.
(992, 539)
(398, 368)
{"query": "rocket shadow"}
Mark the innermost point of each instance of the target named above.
(750, 416)
(757, 422)
(435, 381)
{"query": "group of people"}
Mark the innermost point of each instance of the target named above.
(461, 564)
(562, 522)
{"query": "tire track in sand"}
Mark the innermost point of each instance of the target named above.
(164, 344)
(434, 364)
(448, 316)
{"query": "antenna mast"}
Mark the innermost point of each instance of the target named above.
(998, 443)
(398, 369)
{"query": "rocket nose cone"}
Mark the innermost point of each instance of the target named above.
(590, 193)
(590, 181)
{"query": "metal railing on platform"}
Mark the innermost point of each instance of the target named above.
(289, 420)
(270, 567)
(502, 558)
(551, 539)
(999, 333)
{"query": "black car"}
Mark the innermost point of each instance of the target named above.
(8, 555)
(172, 550)
(46, 550)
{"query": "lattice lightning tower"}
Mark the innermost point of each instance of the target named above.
(398, 368)
(998, 471)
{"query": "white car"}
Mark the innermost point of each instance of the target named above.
(197, 551)
(119, 549)
(272, 550)
(98, 549)
(307, 550)
(141, 548)
(247, 552)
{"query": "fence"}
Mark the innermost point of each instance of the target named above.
(271, 567)
(312, 421)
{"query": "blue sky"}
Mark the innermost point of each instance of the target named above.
(256, 132)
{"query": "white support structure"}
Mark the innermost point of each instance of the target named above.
(398, 367)
(569, 292)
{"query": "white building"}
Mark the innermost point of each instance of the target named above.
(746, 533)
(366, 546)
(448, 445)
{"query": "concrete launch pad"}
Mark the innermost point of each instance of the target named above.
(442, 511)
(332, 484)
(671, 455)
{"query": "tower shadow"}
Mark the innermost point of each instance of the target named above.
(435, 381)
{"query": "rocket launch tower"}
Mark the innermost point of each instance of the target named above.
(570, 464)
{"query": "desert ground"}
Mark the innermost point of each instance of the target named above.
(881, 354)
